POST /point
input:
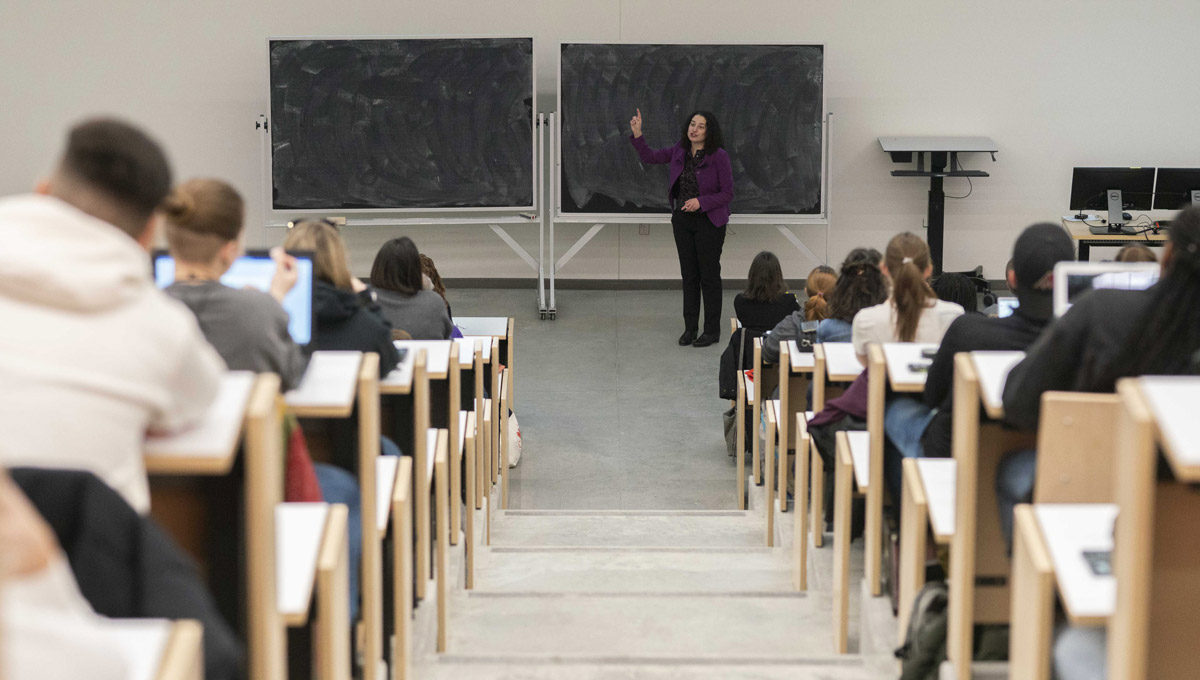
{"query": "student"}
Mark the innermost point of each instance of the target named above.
(1135, 252)
(1106, 335)
(922, 428)
(860, 284)
(817, 286)
(124, 565)
(766, 300)
(430, 274)
(92, 354)
(47, 629)
(347, 316)
(957, 288)
(912, 313)
(248, 328)
(407, 305)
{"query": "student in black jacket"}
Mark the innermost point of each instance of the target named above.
(922, 428)
(1105, 336)
(347, 316)
(766, 300)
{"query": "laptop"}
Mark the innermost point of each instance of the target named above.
(255, 269)
(1072, 279)
(1006, 305)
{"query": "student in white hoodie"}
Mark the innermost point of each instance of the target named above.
(92, 355)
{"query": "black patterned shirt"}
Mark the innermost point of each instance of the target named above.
(688, 187)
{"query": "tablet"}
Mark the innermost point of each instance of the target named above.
(255, 270)
(1072, 279)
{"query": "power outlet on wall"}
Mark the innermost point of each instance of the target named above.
(644, 229)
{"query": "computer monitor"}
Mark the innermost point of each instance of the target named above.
(1072, 279)
(255, 269)
(1113, 189)
(1177, 188)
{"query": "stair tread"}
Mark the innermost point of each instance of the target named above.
(685, 529)
(633, 570)
(693, 626)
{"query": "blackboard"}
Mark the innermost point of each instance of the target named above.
(393, 124)
(767, 98)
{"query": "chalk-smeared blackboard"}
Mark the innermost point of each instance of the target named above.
(767, 98)
(385, 124)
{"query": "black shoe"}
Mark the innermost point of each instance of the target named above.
(706, 339)
(687, 338)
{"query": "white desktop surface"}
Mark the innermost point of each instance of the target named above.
(860, 453)
(329, 382)
(841, 363)
(437, 355)
(385, 480)
(466, 349)
(1069, 529)
(993, 368)
(749, 390)
(141, 642)
(493, 326)
(1172, 401)
(899, 355)
(299, 528)
(937, 143)
(216, 435)
(940, 484)
(802, 362)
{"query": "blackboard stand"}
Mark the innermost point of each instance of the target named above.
(941, 150)
(542, 217)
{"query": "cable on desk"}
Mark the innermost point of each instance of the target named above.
(970, 184)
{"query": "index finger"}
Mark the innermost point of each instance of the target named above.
(639, 113)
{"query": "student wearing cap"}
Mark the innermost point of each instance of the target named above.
(922, 428)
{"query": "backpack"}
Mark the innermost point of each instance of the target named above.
(735, 358)
(924, 647)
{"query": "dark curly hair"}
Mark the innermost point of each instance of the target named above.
(712, 135)
(860, 284)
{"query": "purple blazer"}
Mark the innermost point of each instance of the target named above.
(714, 176)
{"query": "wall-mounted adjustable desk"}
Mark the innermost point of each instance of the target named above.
(942, 151)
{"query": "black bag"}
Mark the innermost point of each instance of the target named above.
(734, 359)
(924, 647)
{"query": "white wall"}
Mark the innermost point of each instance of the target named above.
(1056, 84)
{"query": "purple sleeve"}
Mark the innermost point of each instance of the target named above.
(724, 194)
(649, 155)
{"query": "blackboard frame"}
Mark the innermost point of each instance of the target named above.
(514, 211)
(820, 218)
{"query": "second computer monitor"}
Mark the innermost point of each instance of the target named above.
(1177, 188)
(1112, 189)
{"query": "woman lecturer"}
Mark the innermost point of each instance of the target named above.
(700, 191)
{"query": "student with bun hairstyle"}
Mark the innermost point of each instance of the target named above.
(347, 316)
(912, 312)
(817, 286)
(406, 303)
(248, 328)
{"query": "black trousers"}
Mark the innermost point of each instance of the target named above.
(699, 244)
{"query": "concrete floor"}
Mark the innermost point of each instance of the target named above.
(614, 414)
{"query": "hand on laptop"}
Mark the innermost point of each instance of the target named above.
(286, 273)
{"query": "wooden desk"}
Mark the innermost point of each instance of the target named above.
(992, 370)
(833, 362)
(1048, 545)
(851, 465)
(328, 387)
(927, 501)
(299, 530)
(188, 490)
(1156, 559)
(979, 564)
(900, 356)
(800, 525)
(210, 446)
(159, 649)
(795, 376)
(1084, 239)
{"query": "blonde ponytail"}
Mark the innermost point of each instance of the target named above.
(907, 259)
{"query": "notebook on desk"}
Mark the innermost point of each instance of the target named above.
(255, 269)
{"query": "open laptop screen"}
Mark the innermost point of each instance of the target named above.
(1072, 279)
(255, 270)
